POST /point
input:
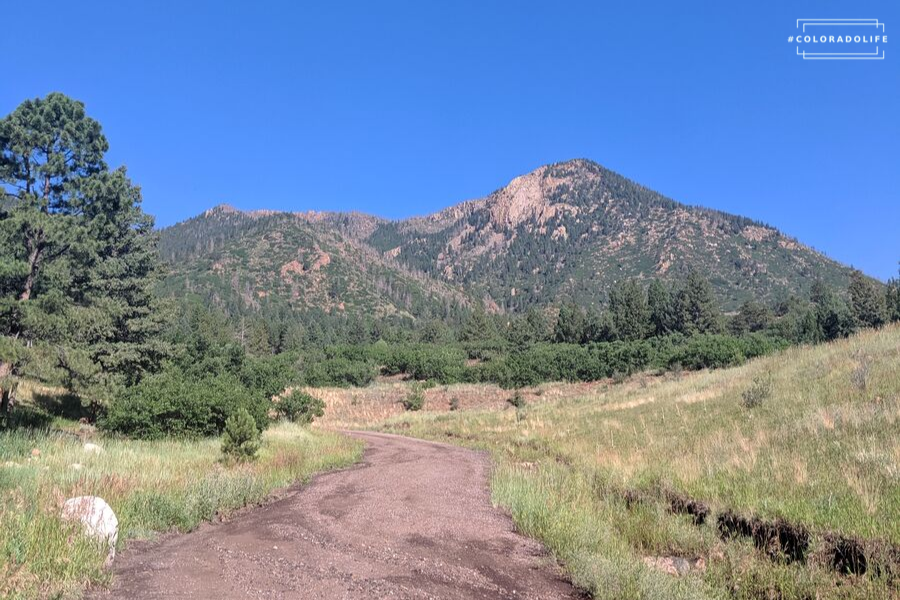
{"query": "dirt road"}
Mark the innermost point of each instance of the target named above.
(414, 520)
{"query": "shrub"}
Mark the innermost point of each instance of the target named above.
(269, 375)
(859, 377)
(757, 344)
(517, 399)
(708, 352)
(415, 400)
(174, 403)
(300, 407)
(759, 391)
(454, 403)
(444, 365)
(341, 372)
(240, 439)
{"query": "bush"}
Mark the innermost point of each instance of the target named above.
(300, 407)
(517, 399)
(172, 403)
(708, 352)
(759, 391)
(444, 365)
(269, 375)
(241, 437)
(340, 372)
(415, 400)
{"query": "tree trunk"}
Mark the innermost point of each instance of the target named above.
(5, 388)
(34, 258)
(4, 406)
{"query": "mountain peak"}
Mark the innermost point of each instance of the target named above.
(565, 230)
(221, 209)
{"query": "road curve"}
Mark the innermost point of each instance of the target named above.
(413, 520)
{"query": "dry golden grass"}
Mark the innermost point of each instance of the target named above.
(822, 450)
(349, 408)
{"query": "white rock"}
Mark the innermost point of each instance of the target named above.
(76, 466)
(97, 518)
(93, 448)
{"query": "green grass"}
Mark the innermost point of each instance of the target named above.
(821, 449)
(152, 487)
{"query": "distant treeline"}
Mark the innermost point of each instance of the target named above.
(643, 327)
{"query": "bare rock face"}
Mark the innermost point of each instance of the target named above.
(97, 518)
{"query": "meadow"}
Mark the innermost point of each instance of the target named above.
(153, 486)
(793, 461)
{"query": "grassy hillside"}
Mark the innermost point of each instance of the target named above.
(152, 487)
(810, 436)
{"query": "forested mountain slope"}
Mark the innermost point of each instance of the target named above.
(572, 229)
(564, 231)
(244, 262)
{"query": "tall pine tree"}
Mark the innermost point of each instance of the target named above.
(78, 257)
(866, 301)
(695, 308)
(630, 314)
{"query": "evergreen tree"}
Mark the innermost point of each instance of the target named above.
(78, 257)
(528, 329)
(569, 327)
(434, 332)
(866, 301)
(478, 328)
(833, 318)
(241, 438)
(751, 317)
(819, 293)
(629, 311)
(892, 300)
(659, 305)
(256, 338)
(598, 327)
(695, 309)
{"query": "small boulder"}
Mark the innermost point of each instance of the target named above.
(97, 518)
(76, 466)
(93, 448)
(676, 565)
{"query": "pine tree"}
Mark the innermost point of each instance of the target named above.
(240, 439)
(528, 329)
(78, 258)
(892, 300)
(629, 311)
(695, 309)
(598, 327)
(751, 317)
(659, 305)
(866, 301)
(478, 327)
(833, 318)
(569, 327)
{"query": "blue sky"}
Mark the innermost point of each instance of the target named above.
(402, 108)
